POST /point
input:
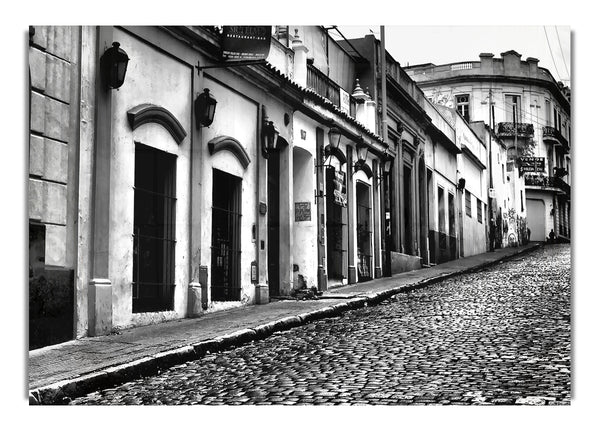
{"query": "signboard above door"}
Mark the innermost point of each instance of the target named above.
(246, 42)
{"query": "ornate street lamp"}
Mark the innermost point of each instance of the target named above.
(113, 66)
(204, 109)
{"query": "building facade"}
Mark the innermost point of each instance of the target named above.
(166, 181)
(142, 211)
(530, 113)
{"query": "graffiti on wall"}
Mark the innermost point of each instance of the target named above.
(511, 229)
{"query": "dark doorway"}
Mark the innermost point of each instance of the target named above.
(225, 271)
(423, 211)
(451, 227)
(337, 213)
(153, 230)
(408, 210)
(363, 231)
(51, 295)
(273, 223)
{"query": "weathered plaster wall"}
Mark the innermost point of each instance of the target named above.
(474, 240)
(152, 77)
(236, 116)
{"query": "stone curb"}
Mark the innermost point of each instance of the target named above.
(62, 392)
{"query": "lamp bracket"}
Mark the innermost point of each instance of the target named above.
(227, 65)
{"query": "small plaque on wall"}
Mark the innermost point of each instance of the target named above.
(302, 211)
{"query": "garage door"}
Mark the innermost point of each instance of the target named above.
(536, 219)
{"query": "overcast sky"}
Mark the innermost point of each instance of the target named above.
(451, 44)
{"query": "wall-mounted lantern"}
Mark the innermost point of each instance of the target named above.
(361, 156)
(387, 163)
(335, 137)
(113, 66)
(461, 184)
(204, 109)
(386, 166)
(270, 135)
(361, 151)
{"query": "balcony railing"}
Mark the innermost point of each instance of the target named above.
(524, 130)
(553, 135)
(326, 87)
(545, 182)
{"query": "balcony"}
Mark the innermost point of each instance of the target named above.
(327, 88)
(544, 182)
(551, 135)
(507, 129)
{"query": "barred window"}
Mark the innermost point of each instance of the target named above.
(467, 203)
(479, 211)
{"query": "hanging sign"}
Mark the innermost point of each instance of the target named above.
(246, 42)
(339, 189)
(532, 164)
(344, 101)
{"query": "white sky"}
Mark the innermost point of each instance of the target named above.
(450, 44)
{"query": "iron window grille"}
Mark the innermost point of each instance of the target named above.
(467, 203)
(154, 230)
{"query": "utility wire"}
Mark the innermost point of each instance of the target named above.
(562, 54)
(551, 54)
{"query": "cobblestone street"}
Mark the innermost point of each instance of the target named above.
(498, 336)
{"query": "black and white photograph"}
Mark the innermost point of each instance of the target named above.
(334, 216)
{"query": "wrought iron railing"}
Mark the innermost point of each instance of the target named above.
(549, 132)
(508, 129)
(544, 181)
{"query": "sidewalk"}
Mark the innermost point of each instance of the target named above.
(77, 367)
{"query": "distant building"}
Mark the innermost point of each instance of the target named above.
(530, 109)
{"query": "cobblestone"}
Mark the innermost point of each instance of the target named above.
(495, 337)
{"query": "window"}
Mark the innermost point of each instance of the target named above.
(548, 114)
(451, 224)
(479, 211)
(462, 106)
(503, 174)
(467, 203)
(441, 210)
(513, 108)
(559, 123)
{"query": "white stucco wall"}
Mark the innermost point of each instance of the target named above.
(155, 78)
(236, 117)
(474, 239)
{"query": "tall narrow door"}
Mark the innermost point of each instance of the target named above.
(337, 242)
(273, 224)
(226, 246)
(363, 231)
(153, 230)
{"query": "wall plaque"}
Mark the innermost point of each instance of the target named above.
(302, 211)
